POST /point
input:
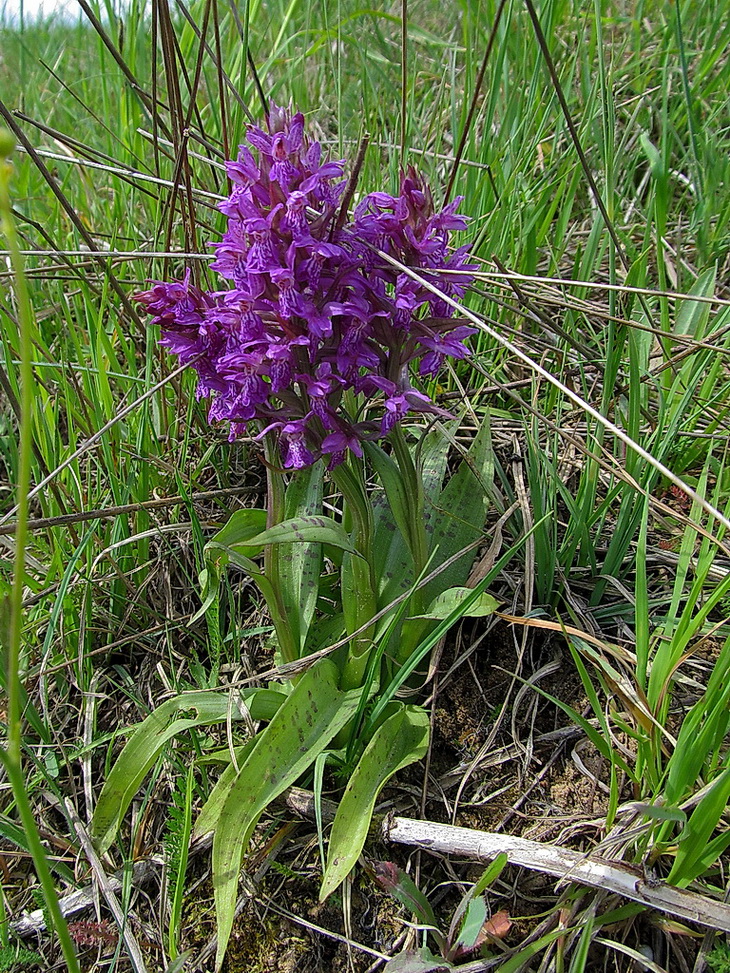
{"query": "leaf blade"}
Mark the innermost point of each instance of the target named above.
(307, 721)
(399, 741)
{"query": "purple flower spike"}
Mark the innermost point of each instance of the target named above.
(311, 312)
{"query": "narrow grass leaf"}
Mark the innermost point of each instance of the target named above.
(522, 957)
(691, 858)
(579, 958)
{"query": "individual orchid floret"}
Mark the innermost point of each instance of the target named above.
(309, 308)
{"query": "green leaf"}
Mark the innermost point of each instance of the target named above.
(445, 603)
(660, 813)
(299, 565)
(520, 959)
(438, 630)
(30, 713)
(493, 870)
(433, 455)
(476, 915)
(393, 561)
(210, 812)
(240, 528)
(209, 581)
(460, 512)
(654, 156)
(401, 886)
(399, 741)
(491, 873)
(692, 846)
(144, 747)
(324, 631)
(303, 530)
(458, 600)
(179, 963)
(692, 316)
(711, 852)
(395, 489)
(307, 721)
(421, 961)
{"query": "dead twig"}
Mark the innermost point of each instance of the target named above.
(563, 863)
(33, 923)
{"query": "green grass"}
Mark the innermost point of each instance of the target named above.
(640, 334)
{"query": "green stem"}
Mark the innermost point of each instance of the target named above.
(415, 629)
(353, 490)
(414, 486)
(275, 513)
(12, 756)
(359, 587)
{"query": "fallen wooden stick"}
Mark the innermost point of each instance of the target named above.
(34, 923)
(563, 863)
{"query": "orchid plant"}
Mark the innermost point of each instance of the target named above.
(316, 341)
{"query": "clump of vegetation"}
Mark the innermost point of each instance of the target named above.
(719, 959)
(15, 957)
(532, 418)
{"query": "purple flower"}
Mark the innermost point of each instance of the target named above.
(338, 442)
(294, 442)
(311, 311)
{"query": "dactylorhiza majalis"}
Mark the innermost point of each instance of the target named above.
(308, 310)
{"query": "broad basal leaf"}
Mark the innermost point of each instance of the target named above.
(417, 961)
(393, 561)
(241, 526)
(307, 721)
(320, 530)
(210, 813)
(395, 489)
(433, 454)
(145, 745)
(471, 927)
(399, 741)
